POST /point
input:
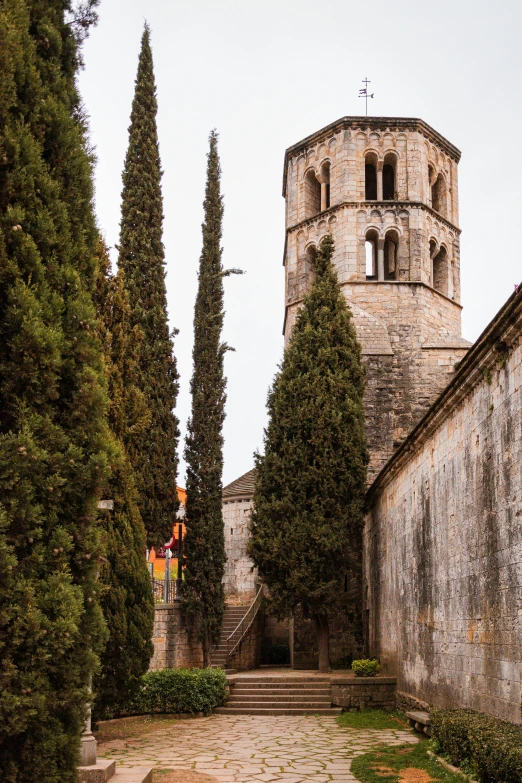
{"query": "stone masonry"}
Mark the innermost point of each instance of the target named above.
(443, 539)
(387, 186)
(240, 575)
(173, 645)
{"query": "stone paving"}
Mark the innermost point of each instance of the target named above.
(238, 748)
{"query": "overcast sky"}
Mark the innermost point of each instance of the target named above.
(266, 74)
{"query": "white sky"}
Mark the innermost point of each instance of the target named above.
(268, 73)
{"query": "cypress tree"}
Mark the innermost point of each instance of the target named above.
(153, 452)
(310, 482)
(204, 541)
(127, 601)
(53, 433)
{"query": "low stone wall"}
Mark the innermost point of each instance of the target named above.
(174, 647)
(405, 702)
(360, 693)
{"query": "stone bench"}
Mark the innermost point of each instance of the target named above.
(420, 721)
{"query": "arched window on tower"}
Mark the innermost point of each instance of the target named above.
(370, 249)
(370, 177)
(312, 194)
(439, 195)
(388, 177)
(325, 186)
(440, 272)
(391, 246)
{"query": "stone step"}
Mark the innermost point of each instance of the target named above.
(278, 711)
(286, 698)
(270, 702)
(105, 771)
(306, 688)
(257, 692)
(100, 772)
(132, 775)
(280, 682)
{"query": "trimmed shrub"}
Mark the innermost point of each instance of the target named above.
(489, 748)
(181, 690)
(366, 667)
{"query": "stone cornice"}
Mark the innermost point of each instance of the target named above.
(371, 124)
(402, 204)
(497, 338)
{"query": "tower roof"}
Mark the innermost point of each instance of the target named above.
(373, 123)
(243, 487)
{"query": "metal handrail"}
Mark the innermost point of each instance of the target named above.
(252, 610)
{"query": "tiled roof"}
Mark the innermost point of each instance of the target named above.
(241, 487)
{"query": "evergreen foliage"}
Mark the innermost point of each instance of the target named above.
(53, 434)
(308, 498)
(127, 601)
(152, 452)
(204, 541)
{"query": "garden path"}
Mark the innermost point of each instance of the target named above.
(234, 749)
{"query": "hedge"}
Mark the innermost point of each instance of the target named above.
(366, 667)
(180, 690)
(489, 748)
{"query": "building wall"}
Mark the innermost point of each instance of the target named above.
(240, 576)
(443, 539)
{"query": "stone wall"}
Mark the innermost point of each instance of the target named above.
(443, 539)
(410, 340)
(248, 654)
(173, 645)
(361, 693)
(240, 576)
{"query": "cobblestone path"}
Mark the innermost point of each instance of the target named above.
(253, 748)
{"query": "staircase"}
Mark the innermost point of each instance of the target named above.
(231, 619)
(105, 770)
(288, 695)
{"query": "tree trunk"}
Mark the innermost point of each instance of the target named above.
(206, 647)
(323, 641)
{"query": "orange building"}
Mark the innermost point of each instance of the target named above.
(159, 558)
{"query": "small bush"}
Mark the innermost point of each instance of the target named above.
(489, 748)
(180, 690)
(366, 667)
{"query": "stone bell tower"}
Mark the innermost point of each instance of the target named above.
(386, 189)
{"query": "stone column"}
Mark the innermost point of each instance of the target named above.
(88, 743)
(323, 196)
(379, 182)
(380, 259)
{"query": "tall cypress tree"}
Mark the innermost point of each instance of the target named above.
(204, 542)
(153, 453)
(53, 433)
(127, 600)
(308, 499)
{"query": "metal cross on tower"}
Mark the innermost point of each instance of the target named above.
(363, 92)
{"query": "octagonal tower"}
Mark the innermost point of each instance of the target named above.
(386, 188)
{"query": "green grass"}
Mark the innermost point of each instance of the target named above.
(401, 763)
(373, 719)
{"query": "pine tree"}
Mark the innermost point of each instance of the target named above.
(127, 600)
(153, 453)
(204, 541)
(53, 434)
(308, 499)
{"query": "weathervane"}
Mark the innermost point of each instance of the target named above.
(363, 92)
